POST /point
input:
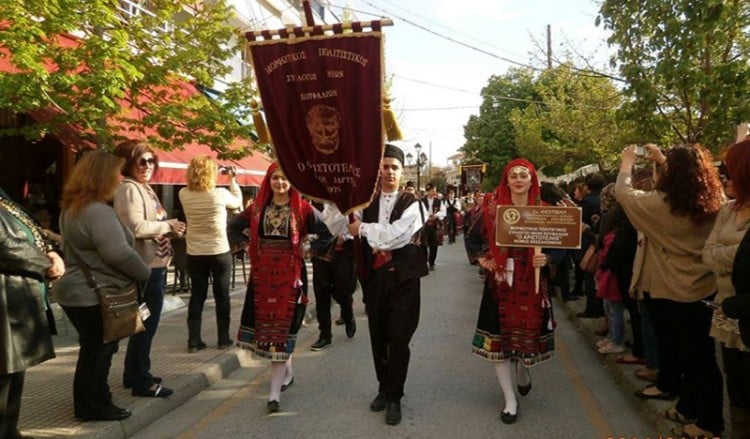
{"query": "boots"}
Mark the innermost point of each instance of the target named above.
(222, 326)
(195, 343)
(740, 419)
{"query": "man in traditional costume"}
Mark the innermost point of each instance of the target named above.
(392, 265)
(452, 210)
(436, 214)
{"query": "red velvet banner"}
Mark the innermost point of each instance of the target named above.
(322, 97)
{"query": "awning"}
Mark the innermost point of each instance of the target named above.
(173, 165)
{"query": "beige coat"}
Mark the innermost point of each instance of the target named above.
(669, 263)
(137, 212)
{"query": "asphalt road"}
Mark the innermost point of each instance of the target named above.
(450, 393)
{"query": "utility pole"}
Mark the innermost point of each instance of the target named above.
(549, 46)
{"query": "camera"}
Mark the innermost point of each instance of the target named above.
(227, 170)
(641, 151)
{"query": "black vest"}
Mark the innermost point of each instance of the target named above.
(408, 261)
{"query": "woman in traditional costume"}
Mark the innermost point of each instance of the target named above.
(277, 292)
(515, 325)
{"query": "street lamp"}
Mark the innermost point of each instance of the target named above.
(421, 161)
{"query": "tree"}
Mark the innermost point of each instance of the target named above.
(490, 136)
(686, 66)
(140, 58)
(572, 123)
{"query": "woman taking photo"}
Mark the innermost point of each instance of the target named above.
(277, 291)
(676, 218)
(94, 236)
(140, 210)
(205, 208)
(515, 325)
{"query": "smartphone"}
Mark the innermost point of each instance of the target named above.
(710, 304)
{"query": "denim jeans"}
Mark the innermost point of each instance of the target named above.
(650, 348)
(137, 371)
(616, 314)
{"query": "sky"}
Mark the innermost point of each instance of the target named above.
(437, 83)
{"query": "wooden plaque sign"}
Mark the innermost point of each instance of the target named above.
(538, 226)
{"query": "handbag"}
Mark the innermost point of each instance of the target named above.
(590, 260)
(121, 317)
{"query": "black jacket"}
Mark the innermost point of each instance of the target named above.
(25, 338)
(738, 306)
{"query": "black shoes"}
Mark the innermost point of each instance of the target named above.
(320, 344)
(432, 267)
(127, 385)
(378, 404)
(196, 346)
(393, 413)
(586, 315)
(111, 413)
(156, 392)
(523, 390)
(286, 386)
(509, 418)
(351, 328)
(225, 343)
(339, 321)
(273, 406)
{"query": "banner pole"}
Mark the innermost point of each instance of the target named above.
(308, 13)
(537, 270)
(253, 35)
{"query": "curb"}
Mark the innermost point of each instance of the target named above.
(622, 374)
(147, 410)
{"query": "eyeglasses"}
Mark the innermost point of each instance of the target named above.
(144, 162)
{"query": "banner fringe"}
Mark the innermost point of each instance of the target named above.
(260, 124)
(392, 130)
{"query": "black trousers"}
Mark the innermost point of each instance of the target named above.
(430, 246)
(392, 316)
(219, 268)
(687, 360)
(335, 278)
(737, 369)
(91, 392)
(451, 218)
(11, 388)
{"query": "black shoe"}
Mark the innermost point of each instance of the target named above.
(523, 390)
(508, 418)
(273, 406)
(351, 328)
(155, 380)
(225, 343)
(569, 298)
(195, 347)
(393, 413)
(320, 344)
(432, 267)
(111, 413)
(286, 386)
(339, 321)
(378, 404)
(158, 392)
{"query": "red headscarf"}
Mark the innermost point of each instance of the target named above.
(502, 197)
(299, 208)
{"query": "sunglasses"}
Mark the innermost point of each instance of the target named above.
(144, 162)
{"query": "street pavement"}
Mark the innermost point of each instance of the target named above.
(449, 392)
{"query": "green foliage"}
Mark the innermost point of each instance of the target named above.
(122, 57)
(686, 66)
(574, 122)
(490, 136)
